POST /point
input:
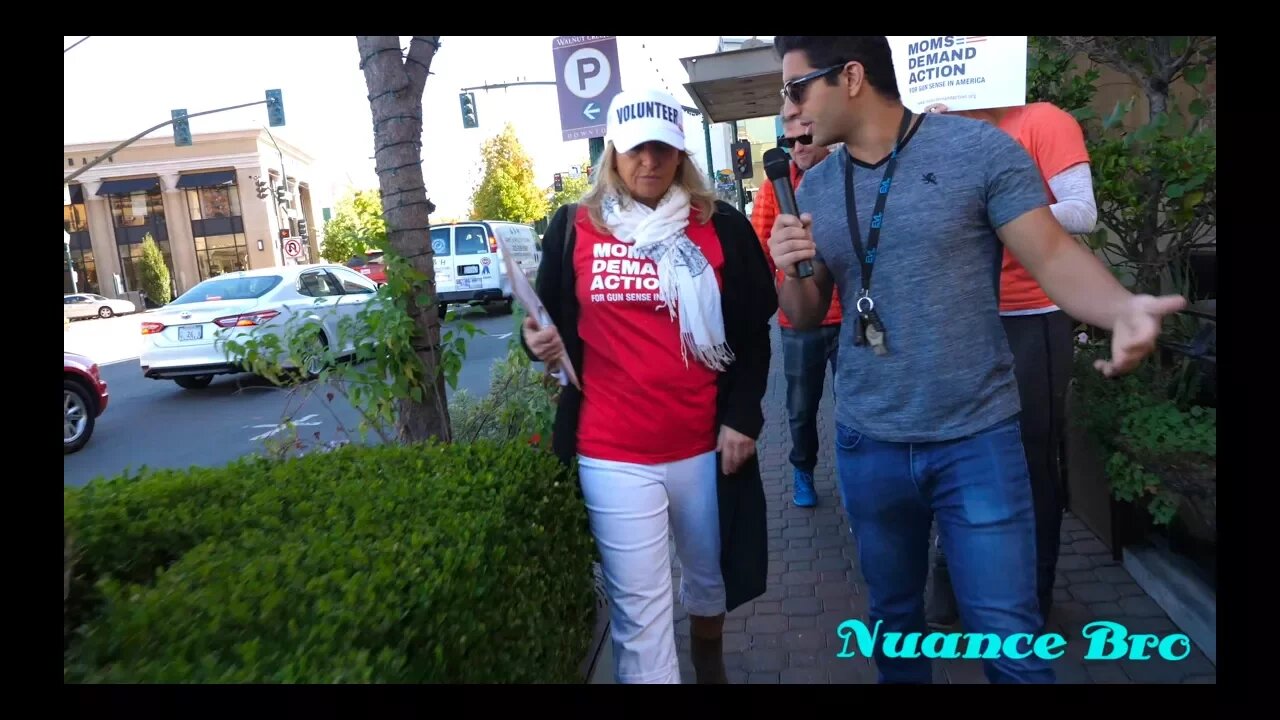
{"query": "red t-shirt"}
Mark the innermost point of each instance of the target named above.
(1055, 142)
(640, 403)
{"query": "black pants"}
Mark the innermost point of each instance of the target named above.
(1042, 352)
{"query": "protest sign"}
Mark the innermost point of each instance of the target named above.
(963, 72)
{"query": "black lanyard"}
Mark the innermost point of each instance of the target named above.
(868, 257)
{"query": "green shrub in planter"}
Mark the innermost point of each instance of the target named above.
(1155, 449)
(520, 404)
(402, 564)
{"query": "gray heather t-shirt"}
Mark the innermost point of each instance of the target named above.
(935, 283)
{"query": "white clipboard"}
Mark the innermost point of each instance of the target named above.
(524, 294)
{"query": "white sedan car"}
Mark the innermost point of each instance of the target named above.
(83, 305)
(181, 340)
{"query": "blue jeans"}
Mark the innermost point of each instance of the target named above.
(978, 490)
(805, 357)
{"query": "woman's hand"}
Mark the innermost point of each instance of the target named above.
(544, 342)
(734, 448)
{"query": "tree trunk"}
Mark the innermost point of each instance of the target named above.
(395, 85)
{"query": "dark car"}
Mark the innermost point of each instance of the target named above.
(84, 399)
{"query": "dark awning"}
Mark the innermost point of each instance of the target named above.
(125, 187)
(76, 193)
(736, 84)
(208, 179)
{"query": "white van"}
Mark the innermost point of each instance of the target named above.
(469, 268)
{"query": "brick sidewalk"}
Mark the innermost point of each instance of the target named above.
(788, 635)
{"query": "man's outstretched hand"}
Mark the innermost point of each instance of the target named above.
(1134, 336)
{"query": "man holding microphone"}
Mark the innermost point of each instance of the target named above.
(927, 402)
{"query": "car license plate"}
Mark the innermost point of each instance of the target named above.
(191, 332)
(468, 269)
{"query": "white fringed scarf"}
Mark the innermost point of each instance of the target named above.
(686, 280)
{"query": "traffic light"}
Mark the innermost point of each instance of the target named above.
(282, 195)
(181, 128)
(260, 186)
(469, 118)
(742, 159)
(559, 183)
(275, 108)
(302, 227)
(284, 233)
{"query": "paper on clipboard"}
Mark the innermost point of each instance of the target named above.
(528, 299)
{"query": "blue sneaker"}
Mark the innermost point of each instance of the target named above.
(804, 495)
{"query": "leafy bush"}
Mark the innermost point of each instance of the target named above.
(401, 564)
(153, 273)
(1052, 76)
(1156, 448)
(520, 404)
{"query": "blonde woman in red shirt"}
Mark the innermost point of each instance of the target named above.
(660, 296)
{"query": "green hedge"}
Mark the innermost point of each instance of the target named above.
(456, 563)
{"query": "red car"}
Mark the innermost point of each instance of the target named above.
(84, 399)
(370, 266)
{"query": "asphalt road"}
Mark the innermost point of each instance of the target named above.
(155, 423)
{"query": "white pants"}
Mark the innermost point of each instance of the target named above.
(632, 508)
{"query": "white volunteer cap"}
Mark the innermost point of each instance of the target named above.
(638, 116)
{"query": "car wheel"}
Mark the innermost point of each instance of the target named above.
(313, 357)
(194, 382)
(77, 416)
(105, 312)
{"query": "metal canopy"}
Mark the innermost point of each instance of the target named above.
(736, 85)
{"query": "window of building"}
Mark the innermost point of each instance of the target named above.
(135, 216)
(75, 220)
(137, 209)
(218, 230)
(86, 270)
(218, 254)
(207, 203)
(131, 266)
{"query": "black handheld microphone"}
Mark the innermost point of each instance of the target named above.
(778, 167)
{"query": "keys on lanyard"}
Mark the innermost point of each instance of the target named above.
(870, 329)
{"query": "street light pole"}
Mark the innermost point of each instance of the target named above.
(71, 268)
(148, 131)
(284, 178)
(66, 242)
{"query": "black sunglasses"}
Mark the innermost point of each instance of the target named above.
(788, 142)
(794, 90)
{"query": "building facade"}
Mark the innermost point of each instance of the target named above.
(200, 203)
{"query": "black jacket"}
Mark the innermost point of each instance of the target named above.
(748, 300)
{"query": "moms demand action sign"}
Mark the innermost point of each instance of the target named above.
(963, 72)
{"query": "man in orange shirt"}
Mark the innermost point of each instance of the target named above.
(1039, 333)
(806, 354)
